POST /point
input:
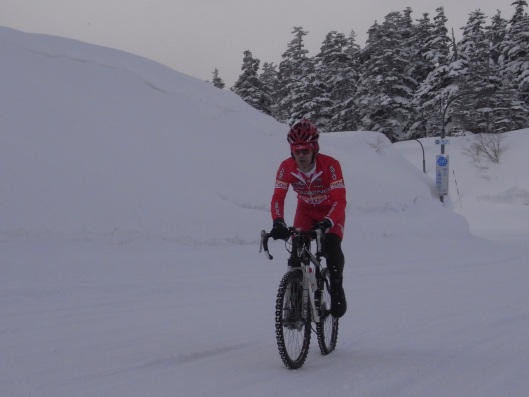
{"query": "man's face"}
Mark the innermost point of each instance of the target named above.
(303, 158)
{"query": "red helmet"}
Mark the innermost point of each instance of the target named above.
(303, 134)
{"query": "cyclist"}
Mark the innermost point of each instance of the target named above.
(317, 179)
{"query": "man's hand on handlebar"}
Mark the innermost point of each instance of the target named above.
(280, 230)
(323, 226)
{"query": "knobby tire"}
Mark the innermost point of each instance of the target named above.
(327, 328)
(293, 330)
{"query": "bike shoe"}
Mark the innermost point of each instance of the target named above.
(338, 303)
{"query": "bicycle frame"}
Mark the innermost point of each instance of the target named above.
(303, 256)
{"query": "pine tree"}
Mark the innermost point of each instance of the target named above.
(249, 87)
(385, 90)
(506, 113)
(514, 68)
(293, 76)
(217, 81)
(420, 47)
(474, 47)
(345, 112)
(515, 48)
(270, 86)
(367, 97)
(497, 34)
(329, 66)
(313, 98)
(519, 12)
(432, 76)
(335, 68)
(438, 85)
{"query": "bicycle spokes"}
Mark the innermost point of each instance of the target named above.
(292, 324)
(327, 327)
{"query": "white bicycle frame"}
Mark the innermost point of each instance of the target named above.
(310, 282)
(306, 270)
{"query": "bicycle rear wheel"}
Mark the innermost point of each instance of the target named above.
(327, 328)
(293, 328)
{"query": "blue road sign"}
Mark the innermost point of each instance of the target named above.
(441, 174)
(442, 161)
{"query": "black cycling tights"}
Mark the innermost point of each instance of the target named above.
(332, 248)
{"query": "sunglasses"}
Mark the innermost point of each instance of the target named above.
(302, 151)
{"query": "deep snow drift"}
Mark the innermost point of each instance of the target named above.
(132, 200)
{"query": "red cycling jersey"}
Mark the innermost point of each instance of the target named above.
(321, 193)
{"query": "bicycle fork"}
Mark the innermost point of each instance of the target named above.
(311, 294)
(313, 278)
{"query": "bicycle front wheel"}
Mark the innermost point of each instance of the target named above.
(327, 328)
(293, 326)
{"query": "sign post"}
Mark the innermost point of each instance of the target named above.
(441, 175)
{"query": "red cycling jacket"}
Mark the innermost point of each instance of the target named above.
(321, 194)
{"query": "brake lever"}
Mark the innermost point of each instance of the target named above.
(264, 244)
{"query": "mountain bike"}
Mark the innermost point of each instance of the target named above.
(303, 299)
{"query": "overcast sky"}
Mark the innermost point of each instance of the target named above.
(197, 36)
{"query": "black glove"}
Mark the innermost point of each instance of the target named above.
(323, 225)
(279, 230)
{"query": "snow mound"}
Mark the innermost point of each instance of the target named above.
(99, 143)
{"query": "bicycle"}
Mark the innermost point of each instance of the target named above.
(303, 298)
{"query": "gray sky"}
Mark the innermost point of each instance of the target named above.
(197, 36)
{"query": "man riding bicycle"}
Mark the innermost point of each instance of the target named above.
(317, 179)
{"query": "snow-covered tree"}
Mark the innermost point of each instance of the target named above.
(293, 74)
(513, 65)
(481, 76)
(507, 111)
(515, 49)
(422, 46)
(385, 90)
(435, 53)
(403, 80)
(217, 81)
(333, 68)
(270, 84)
(343, 84)
(313, 99)
(249, 87)
(497, 34)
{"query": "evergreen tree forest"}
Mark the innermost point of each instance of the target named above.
(410, 77)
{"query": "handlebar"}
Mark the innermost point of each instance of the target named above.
(316, 235)
(264, 244)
